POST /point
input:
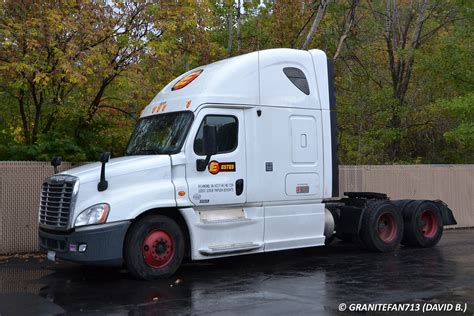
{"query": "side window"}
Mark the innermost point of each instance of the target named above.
(298, 78)
(227, 133)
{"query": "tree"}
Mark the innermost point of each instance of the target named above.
(74, 76)
(321, 9)
(239, 24)
(49, 50)
(349, 23)
(405, 30)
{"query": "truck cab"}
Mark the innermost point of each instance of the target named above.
(235, 157)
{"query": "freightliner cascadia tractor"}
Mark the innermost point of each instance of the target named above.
(236, 157)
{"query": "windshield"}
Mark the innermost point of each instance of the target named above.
(160, 134)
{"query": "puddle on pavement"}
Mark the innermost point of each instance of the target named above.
(307, 280)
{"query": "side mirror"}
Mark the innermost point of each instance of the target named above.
(105, 157)
(103, 184)
(210, 146)
(55, 162)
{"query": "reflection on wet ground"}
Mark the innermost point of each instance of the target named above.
(313, 280)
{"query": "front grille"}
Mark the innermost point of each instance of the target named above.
(57, 201)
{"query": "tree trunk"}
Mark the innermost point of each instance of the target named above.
(57, 101)
(238, 26)
(314, 27)
(230, 31)
(349, 24)
(38, 102)
(401, 67)
(24, 120)
(94, 106)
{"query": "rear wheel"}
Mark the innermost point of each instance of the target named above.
(382, 227)
(154, 247)
(402, 204)
(423, 224)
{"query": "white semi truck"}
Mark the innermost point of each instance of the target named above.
(236, 157)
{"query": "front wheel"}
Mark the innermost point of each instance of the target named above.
(154, 247)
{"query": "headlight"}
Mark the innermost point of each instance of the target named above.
(96, 214)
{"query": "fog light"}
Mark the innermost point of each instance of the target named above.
(82, 247)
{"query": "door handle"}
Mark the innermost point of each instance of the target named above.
(239, 186)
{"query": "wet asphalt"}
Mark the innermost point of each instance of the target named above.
(309, 281)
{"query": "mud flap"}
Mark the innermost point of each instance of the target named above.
(349, 221)
(446, 213)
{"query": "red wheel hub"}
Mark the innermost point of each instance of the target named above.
(428, 223)
(386, 227)
(158, 248)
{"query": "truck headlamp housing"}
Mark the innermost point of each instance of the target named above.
(96, 214)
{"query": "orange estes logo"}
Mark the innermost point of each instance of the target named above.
(186, 80)
(215, 167)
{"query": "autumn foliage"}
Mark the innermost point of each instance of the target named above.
(74, 75)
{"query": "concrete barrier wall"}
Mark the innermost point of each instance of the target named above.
(453, 184)
(20, 185)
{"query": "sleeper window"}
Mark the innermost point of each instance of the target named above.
(298, 78)
(227, 131)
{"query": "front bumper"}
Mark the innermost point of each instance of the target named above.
(104, 243)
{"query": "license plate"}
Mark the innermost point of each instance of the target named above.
(51, 255)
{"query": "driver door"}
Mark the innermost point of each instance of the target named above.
(223, 180)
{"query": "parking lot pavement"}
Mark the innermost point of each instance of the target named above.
(313, 280)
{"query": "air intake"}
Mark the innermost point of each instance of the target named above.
(57, 201)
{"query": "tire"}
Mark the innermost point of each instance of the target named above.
(381, 227)
(423, 224)
(402, 204)
(154, 247)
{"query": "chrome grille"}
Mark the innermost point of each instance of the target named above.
(57, 201)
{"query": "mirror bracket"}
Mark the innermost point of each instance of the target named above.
(210, 146)
(201, 164)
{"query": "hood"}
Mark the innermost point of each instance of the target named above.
(118, 166)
